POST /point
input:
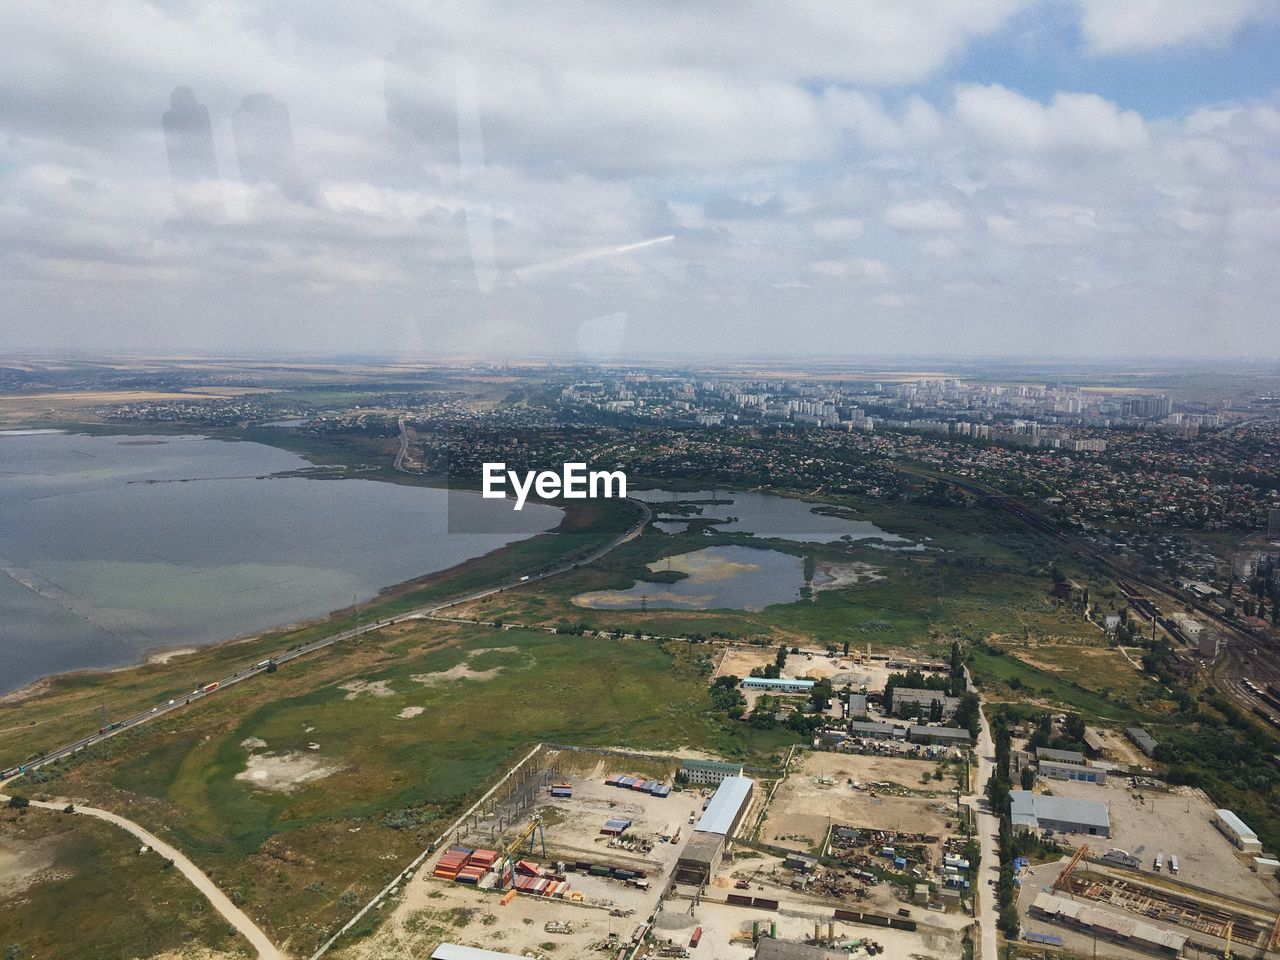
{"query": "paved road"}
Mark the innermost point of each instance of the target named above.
(252, 670)
(233, 914)
(988, 827)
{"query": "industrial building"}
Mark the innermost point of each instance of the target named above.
(948, 736)
(701, 855)
(699, 859)
(907, 699)
(1070, 771)
(877, 731)
(857, 706)
(1036, 811)
(802, 688)
(1143, 740)
(1095, 742)
(1237, 831)
(455, 951)
(1060, 756)
(727, 807)
(1105, 925)
(770, 949)
(703, 772)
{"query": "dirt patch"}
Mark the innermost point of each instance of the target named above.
(410, 712)
(253, 743)
(284, 772)
(23, 865)
(375, 688)
(832, 575)
(464, 670)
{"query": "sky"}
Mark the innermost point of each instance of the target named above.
(606, 180)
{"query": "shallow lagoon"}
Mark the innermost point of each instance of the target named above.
(114, 546)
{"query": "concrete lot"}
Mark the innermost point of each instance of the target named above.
(804, 806)
(1177, 823)
(726, 930)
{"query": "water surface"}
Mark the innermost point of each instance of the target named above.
(113, 546)
(761, 514)
(719, 578)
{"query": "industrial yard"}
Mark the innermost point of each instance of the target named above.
(1147, 822)
(886, 793)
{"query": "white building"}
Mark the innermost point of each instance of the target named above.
(1237, 831)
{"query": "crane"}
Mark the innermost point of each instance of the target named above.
(521, 844)
(1065, 876)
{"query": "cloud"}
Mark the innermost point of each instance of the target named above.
(1134, 26)
(925, 216)
(1082, 122)
(853, 268)
(838, 228)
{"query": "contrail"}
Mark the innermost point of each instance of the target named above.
(597, 253)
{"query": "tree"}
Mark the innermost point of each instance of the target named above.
(1028, 778)
(19, 803)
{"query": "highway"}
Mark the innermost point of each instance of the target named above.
(286, 656)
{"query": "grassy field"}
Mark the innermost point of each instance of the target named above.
(399, 734)
(75, 887)
(980, 586)
(65, 708)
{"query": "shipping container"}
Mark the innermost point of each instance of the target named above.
(697, 935)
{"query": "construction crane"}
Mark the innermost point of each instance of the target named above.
(1065, 876)
(522, 844)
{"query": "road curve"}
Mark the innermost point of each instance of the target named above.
(200, 880)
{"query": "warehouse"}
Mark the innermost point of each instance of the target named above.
(857, 703)
(1237, 831)
(704, 772)
(1060, 756)
(699, 859)
(1036, 811)
(727, 807)
(1127, 931)
(1144, 741)
(1070, 771)
(770, 949)
(877, 731)
(454, 951)
(948, 736)
(906, 699)
(802, 688)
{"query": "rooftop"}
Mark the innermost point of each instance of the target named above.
(454, 951)
(1062, 756)
(1238, 826)
(1027, 809)
(725, 805)
(1129, 928)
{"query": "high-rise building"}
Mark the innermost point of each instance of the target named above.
(1273, 525)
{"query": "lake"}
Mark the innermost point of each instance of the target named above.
(114, 546)
(761, 514)
(719, 578)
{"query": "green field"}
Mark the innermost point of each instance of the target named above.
(79, 888)
(293, 848)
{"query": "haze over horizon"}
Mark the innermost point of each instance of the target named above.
(1070, 179)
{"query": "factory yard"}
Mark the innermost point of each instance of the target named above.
(1177, 823)
(729, 928)
(430, 909)
(817, 795)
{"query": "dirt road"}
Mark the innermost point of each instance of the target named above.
(233, 914)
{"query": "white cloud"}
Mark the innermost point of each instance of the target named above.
(1071, 121)
(838, 228)
(925, 216)
(853, 268)
(1128, 26)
